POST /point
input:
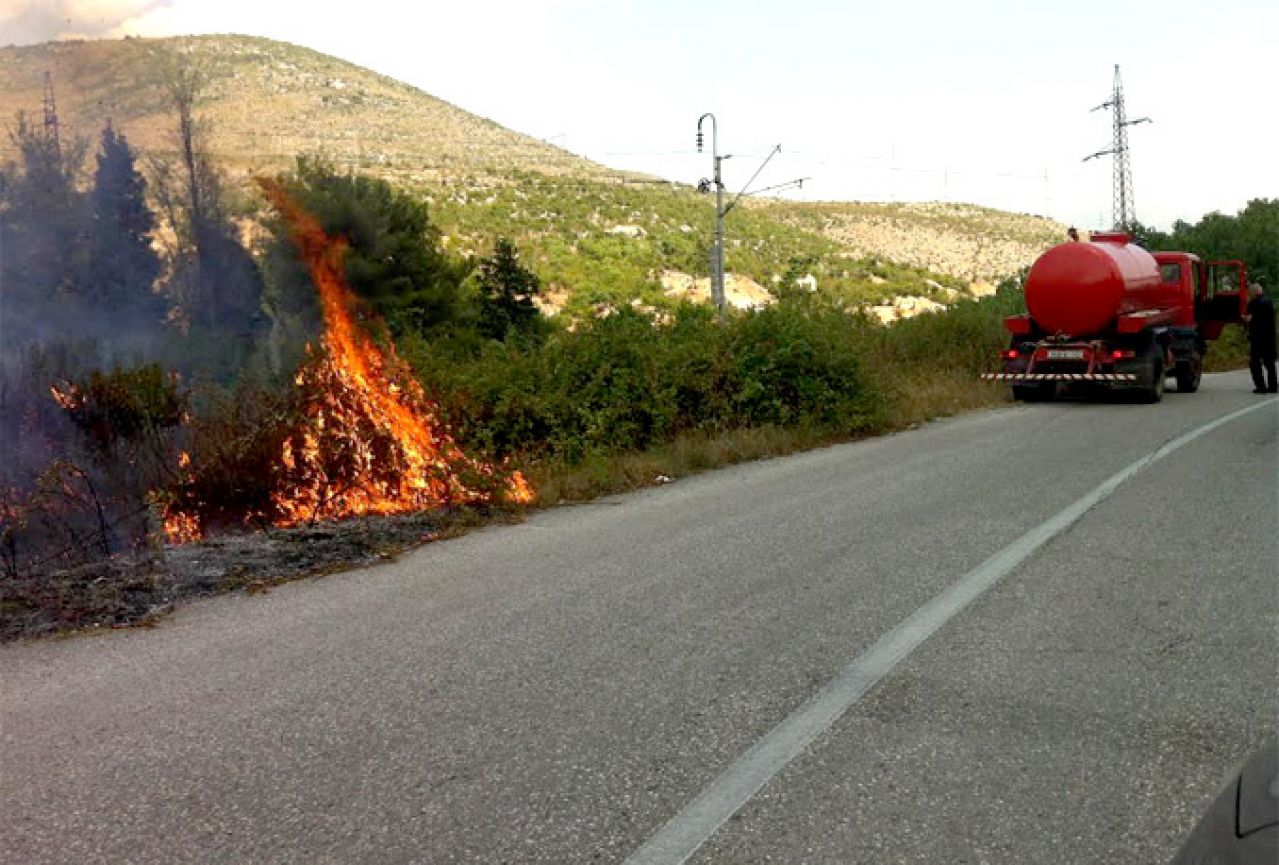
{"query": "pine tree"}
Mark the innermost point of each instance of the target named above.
(507, 289)
(394, 257)
(42, 221)
(122, 267)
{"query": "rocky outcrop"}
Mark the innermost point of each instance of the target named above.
(740, 292)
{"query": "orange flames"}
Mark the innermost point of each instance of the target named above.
(371, 442)
(182, 527)
(67, 400)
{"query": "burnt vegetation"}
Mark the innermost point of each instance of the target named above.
(97, 314)
(153, 370)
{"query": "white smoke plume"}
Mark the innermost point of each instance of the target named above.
(23, 22)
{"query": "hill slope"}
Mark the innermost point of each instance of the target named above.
(594, 234)
(959, 239)
(267, 101)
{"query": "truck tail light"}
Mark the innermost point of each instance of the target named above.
(1122, 354)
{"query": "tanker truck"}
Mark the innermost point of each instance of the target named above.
(1107, 314)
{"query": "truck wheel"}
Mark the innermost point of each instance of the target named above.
(1035, 392)
(1189, 373)
(1155, 392)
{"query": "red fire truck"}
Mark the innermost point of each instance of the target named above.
(1108, 314)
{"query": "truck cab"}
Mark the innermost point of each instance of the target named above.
(1219, 289)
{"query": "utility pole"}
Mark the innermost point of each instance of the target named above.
(717, 249)
(50, 115)
(1122, 209)
(722, 210)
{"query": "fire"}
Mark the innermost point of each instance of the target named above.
(69, 399)
(371, 442)
(182, 528)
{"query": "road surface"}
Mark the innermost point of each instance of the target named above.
(578, 688)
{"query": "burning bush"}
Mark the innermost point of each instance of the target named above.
(95, 498)
(233, 446)
(123, 408)
(355, 436)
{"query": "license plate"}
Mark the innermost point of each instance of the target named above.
(1065, 354)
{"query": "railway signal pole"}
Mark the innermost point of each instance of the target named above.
(1123, 213)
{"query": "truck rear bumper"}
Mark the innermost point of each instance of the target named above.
(1059, 376)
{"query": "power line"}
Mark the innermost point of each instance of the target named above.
(797, 183)
(776, 150)
(650, 153)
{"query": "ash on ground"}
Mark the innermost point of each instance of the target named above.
(137, 589)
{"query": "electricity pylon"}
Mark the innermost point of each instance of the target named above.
(1123, 213)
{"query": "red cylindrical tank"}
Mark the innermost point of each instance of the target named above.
(1079, 288)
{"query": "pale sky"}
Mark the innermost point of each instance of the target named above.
(982, 102)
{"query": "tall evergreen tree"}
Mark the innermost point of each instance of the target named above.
(122, 267)
(215, 280)
(394, 259)
(42, 222)
(507, 289)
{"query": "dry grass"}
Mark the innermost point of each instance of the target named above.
(917, 397)
(560, 483)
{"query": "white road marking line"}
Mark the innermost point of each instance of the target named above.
(684, 833)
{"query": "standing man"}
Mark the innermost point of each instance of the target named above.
(1261, 339)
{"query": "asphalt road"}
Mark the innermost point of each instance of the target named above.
(561, 690)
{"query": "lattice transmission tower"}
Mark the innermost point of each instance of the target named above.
(1123, 212)
(50, 115)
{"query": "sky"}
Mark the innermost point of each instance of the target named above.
(980, 102)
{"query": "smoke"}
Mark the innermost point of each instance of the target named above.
(26, 21)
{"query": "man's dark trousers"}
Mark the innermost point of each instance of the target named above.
(1258, 362)
(1261, 343)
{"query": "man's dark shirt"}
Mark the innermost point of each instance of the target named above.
(1261, 328)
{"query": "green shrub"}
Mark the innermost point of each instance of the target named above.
(122, 405)
(623, 383)
(1228, 352)
(798, 364)
(394, 260)
(965, 336)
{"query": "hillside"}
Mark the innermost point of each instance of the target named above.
(595, 235)
(598, 244)
(267, 101)
(964, 240)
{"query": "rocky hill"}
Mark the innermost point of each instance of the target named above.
(595, 235)
(976, 243)
(267, 101)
